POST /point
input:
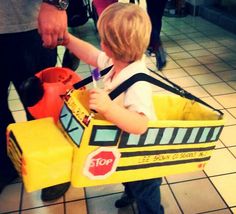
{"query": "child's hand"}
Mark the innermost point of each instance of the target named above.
(99, 100)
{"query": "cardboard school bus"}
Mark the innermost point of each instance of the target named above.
(87, 150)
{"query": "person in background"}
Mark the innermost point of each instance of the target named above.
(29, 33)
(124, 30)
(155, 11)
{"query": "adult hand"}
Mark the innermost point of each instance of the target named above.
(52, 26)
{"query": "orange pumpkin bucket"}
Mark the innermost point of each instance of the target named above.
(55, 82)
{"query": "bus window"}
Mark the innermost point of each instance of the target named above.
(132, 140)
(104, 136)
(151, 136)
(72, 126)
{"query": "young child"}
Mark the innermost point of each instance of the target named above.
(124, 31)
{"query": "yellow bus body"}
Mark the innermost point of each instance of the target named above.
(98, 153)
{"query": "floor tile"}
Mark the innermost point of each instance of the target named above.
(187, 29)
(227, 75)
(204, 79)
(209, 59)
(232, 111)
(218, 88)
(226, 185)
(201, 39)
(74, 194)
(228, 135)
(185, 176)
(221, 162)
(185, 42)
(210, 44)
(175, 49)
(76, 207)
(195, 35)
(200, 52)
(232, 84)
(58, 209)
(19, 116)
(229, 119)
(219, 145)
(232, 63)
(15, 105)
(180, 55)
(228, 41)
(227, 56)
(13, 95)
(197, 196)
(168, 201)
(174, 73)
(198, 91)
(233, 150)
(191, 47)
(178, 37)
(221, 211)
(185, 82)
(217, 67)
(10, 202)
(218, 50)
(234, 210)
(195, 70)
(187, 62)
(33, 199)
(105, 205)
(103, 190)
(211, 101)
(171, 65)
(226, 100)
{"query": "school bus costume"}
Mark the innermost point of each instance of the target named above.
(87, 150)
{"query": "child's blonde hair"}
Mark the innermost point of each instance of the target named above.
(125, 29)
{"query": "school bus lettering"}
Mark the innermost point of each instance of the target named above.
(161, 157)
(188, 155)
(101, 163)
(155, 158)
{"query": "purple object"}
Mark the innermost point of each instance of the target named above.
(96, 74)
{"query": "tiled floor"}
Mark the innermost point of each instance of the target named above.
(202, 59)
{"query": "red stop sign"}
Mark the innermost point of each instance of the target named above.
(101, 163)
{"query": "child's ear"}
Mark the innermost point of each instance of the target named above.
(106, 50)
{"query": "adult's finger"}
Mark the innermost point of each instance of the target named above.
(66, 38)
(47, 40)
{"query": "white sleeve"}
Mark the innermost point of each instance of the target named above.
(103, 61)
(138, 98)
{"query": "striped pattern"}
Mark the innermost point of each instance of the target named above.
(15, 153)
(166, 136)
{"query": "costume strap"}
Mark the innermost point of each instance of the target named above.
(89, 79)
(172, 88)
